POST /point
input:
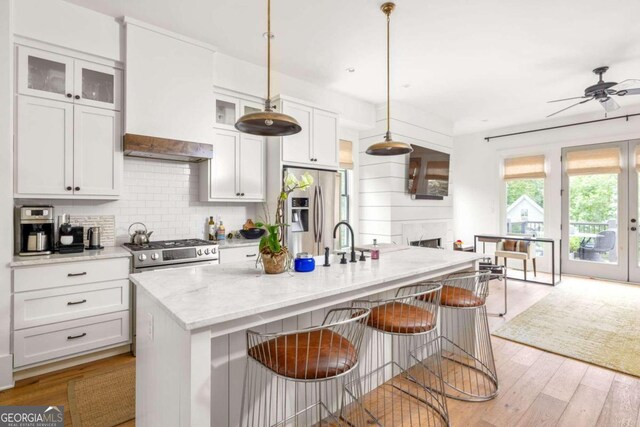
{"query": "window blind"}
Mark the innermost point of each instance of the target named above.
(346, 154)
(524, 167)
(592, 162)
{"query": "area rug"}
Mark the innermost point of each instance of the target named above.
(105, 399)
(596, 322)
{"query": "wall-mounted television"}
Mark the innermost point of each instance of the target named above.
(428, 174)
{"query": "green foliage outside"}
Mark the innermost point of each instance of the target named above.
(533, 188)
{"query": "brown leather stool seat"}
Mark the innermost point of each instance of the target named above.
(308, 355)
(453, 296)
(401, 318)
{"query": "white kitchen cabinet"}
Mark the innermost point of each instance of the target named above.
(44, 147)
(227, 111)
(243, 253)
(66, 150)
(316, 145)
(237, 170)
(325, 138)
(97, 152)
(63, 78)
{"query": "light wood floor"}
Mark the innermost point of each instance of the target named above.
(536, 388)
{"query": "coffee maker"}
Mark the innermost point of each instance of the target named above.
(34, 230)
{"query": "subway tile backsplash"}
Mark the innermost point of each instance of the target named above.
(163, 195)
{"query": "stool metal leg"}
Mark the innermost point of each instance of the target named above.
(469, 370)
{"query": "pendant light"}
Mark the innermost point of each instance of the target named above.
(268, 122)
(389, 147)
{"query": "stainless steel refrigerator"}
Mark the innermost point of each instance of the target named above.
(313, 213)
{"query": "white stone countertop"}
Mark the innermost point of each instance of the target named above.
(198, 297)
(237, 243)
(107, 252)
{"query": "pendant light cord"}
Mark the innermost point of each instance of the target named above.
(388, 76)
(269, 52)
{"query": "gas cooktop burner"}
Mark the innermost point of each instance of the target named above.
(168, 244)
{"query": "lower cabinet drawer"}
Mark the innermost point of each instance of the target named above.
(37, 308)
(48, 342)
(247, 253)
(69, 273)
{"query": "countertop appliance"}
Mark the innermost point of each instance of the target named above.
(93, 236)
(34, 229)
(75, 242)
(172, 254)
(312, 214)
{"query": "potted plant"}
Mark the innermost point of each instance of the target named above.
(274, 255)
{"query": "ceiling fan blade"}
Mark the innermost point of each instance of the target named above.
(570, 106)
(627, 87)
(568, 99)
(609, 104)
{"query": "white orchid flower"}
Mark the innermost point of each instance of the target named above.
(290, 182)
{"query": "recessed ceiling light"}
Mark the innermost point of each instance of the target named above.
(272, 36)
(406, 86)
(351, 69)
(484, 120)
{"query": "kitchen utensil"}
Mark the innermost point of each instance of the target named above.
(252, 233)
(93, 236)
(304, 263)
(140, 237)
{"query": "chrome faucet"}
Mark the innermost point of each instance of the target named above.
(353, 239)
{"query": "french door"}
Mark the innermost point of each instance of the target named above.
(600, 210)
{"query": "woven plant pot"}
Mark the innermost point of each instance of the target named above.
(275, 263)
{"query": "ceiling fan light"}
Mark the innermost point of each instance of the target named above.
(622, 92)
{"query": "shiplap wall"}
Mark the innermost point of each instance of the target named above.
(164, 196)
(385, 205)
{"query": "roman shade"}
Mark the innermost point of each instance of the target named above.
(346, 154)
(595, 161)
(524, 167)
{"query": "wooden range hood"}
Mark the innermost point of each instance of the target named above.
(166, 149)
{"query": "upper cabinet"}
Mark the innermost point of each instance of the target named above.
(58, 77)
(68, 128)
(237, 172)
(316, 145)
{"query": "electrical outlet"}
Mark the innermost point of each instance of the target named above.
(150, 326)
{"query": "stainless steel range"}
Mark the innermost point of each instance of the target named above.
(172, 253)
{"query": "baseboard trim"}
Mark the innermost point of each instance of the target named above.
(6, 372)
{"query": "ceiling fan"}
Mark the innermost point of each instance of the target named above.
(603, 92)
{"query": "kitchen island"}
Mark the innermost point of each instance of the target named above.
(191, 323)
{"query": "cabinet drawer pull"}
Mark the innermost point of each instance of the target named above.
(76, 302)
(84, 273)
(74, 337)
(251, 255)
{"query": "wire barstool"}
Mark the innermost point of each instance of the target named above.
(469, 369)
(396, 390)
(297, 378)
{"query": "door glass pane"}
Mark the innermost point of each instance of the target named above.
(97, 86)
(46, 75)
(593, 218)
(248, 109)
(225, 112)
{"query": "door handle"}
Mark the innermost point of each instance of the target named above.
(321, 214)
(84, 273)
(315, 214)
(633, 228)
(633, 220)
(76, 302)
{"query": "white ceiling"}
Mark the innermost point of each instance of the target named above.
(467, 61)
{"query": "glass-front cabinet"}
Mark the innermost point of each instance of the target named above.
(50, 75)
(229, 109)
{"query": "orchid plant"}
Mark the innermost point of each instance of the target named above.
(272, 241)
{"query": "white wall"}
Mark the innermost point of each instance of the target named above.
(480, 200)
(6, 190)
(385, 205)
